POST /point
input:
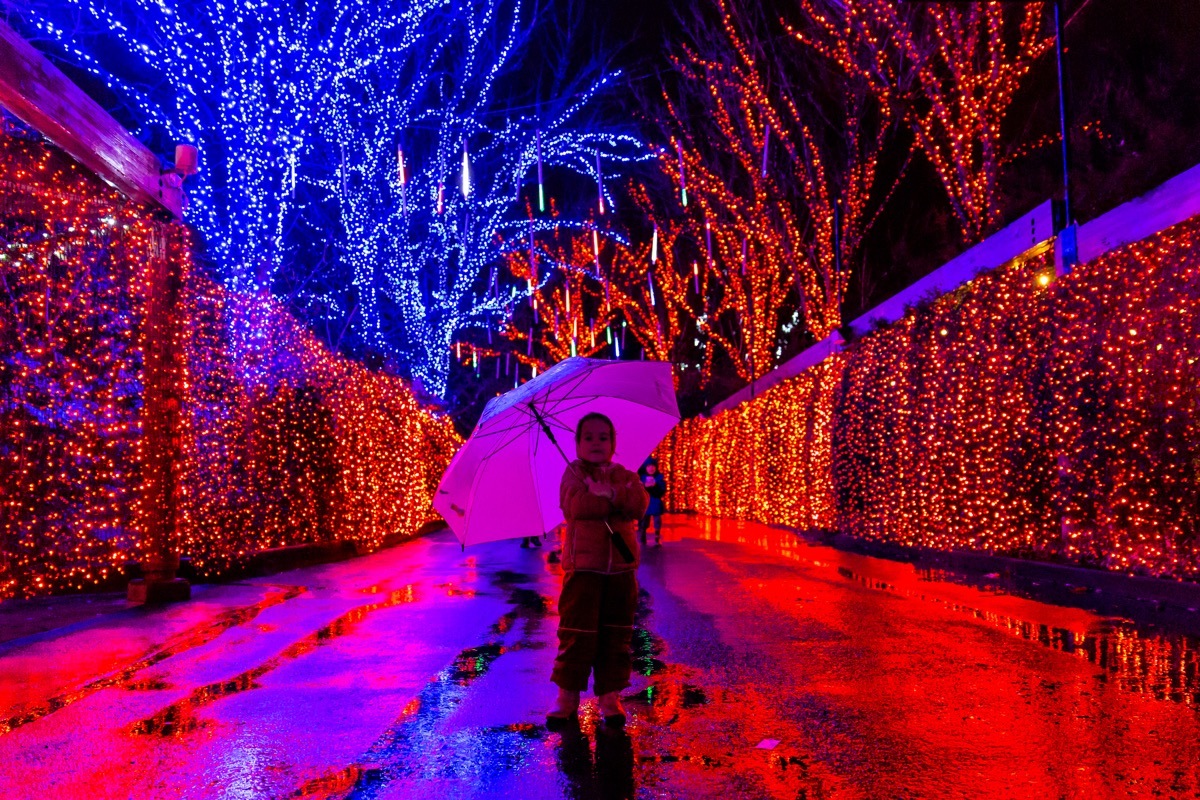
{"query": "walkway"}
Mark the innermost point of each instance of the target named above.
(766, 668)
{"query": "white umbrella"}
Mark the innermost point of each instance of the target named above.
(504, 481)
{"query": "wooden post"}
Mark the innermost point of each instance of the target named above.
(160, 430)
(39, 94)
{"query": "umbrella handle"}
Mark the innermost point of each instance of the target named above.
(619, 543)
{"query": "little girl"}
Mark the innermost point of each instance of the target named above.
(600, 500)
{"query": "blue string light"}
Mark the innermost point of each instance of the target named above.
(357, 105)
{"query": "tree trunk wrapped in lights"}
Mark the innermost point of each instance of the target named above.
(403, 132)
(951, 70)
(782, 182)
(570, 311)
(604, 296)
(660, 294)
(428, 243)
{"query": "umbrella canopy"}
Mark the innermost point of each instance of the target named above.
(503, 483)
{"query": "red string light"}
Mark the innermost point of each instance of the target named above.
(1017, 416)
(282, 441)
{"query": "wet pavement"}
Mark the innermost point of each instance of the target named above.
(766, 667)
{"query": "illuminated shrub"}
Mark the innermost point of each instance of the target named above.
(1023, 416)
(283, 441)
(939, 434)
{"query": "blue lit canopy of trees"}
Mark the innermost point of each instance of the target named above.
(371, 162)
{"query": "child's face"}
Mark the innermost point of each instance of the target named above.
(595, 442)
(651, 469)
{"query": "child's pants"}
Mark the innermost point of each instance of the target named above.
(595, 631)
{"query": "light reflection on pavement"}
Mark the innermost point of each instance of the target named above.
(765, 667)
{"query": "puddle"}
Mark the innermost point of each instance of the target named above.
(646, 647)
(201, 634)
(660, 694)
(1164, 666)
(334, 784)
(504, 577)
(454, 591)
(172, 720)
(661, 702)
(413, 746)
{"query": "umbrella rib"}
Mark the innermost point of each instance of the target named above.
(552, 416)
(516, 432)
(537, 487)
(579, 381)
(546, 415)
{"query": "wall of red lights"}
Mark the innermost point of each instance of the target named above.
(283, 442)
(1022, 415)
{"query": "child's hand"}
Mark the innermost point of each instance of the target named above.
(600, 488)
(647, 481)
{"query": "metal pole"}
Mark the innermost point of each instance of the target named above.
(1067, 246)
(1062, 113)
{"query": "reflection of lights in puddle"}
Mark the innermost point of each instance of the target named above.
(188, 640)
(178, 718)
(244, 767)
(1162, 667)
(646, 648)
(412, 736)
(336, 784)
(662, 701)
(454, 591)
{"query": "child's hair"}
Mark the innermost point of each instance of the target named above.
(595, 415)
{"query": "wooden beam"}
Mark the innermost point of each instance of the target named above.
(1171, 203)
(1034, 230)
(44, 98)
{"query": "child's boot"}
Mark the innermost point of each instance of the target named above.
(565, 711)
(611, 710)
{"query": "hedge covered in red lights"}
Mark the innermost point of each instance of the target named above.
(283, 442)
(1021, 415)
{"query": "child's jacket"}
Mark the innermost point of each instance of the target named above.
(657, 491)
(587, 546)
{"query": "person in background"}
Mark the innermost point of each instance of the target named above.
(655, 486)
(555, 556)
